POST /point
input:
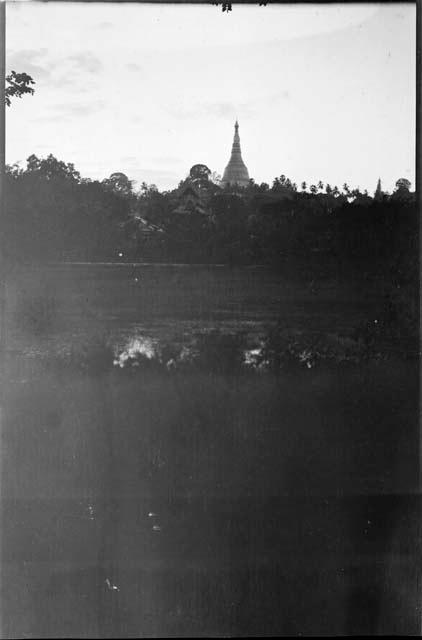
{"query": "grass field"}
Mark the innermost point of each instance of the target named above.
(169, 301)
(151, 502)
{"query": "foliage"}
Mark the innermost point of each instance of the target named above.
(402, 191)
(200, 173)
(51, 214)
(317, 231)
(51, 168)
(17, 85)
(287, 350)
(119, 184)
(281, 351)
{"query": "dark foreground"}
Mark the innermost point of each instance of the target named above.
(180, 503)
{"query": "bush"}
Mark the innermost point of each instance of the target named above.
(284, 350)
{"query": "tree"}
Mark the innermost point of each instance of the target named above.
(51, 214)
(148, 189)
(152, 205)
(199, 176)
(50, 168)
(199, 172)
(402, 191)
(14, 170)
(283, 184)
(403, 184)
(120, 184)
(225, 6)
(229, 214)
(17, 85)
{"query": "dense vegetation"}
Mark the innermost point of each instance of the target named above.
(53, 214)
(315, 231)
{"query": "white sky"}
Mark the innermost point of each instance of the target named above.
(321, 91)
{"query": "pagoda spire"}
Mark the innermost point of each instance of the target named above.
(236, 172)
(236, 139)
(378, 192)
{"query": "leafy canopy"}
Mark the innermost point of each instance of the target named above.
(17, 85)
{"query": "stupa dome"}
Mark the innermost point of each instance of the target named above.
(236, 171)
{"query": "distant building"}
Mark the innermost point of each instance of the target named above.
(190, 200)
(194, 193)
(236, 172)
(378, 195)
(144, 229)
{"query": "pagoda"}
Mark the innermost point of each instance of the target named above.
(236, 172)
(378, 192)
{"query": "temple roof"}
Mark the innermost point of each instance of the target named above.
(236, 171)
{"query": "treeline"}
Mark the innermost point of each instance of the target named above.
(53, 214)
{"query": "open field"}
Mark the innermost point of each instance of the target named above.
(170, 301)
(152, 502)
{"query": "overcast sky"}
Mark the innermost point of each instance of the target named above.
(321, 91)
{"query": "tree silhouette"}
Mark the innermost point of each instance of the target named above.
(17, 85)
(404, 184)
(402, 191)
(199, 172)
(120, 184)
(50, 168)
